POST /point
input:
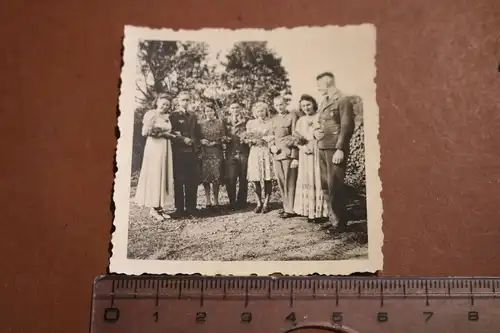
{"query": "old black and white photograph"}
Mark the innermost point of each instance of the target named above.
(248, 151)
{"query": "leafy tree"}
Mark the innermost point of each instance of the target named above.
(355, 172)
(167, 66)
(171, 66)
(253, 72)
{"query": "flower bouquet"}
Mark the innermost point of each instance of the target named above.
(253, 138)
(225, 140)
(161, 128)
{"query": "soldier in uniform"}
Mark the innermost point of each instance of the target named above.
(185, 157)
(336, 126)
(236, 158)
(285, 155)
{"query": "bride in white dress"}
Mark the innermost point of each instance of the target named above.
(156, 180)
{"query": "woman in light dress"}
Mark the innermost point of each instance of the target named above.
(309, 198)
(259, 132)
(156, 180)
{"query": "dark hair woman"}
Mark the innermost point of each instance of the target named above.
(309, 198)
(212, 132)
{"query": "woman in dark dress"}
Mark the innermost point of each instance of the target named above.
(213, 132)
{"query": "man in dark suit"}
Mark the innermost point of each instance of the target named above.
(184, 150)
(285, 155)
(336, 126)
(236, 160)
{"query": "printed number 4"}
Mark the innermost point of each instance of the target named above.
(291, 317)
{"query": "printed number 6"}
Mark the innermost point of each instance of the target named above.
(382, 317)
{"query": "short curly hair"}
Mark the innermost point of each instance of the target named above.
(261, 106)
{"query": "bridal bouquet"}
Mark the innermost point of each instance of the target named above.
(161, 127)
(225, 140)
(298, 139)
(253, 138)
(290, 141)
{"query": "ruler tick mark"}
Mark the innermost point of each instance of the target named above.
(157, 298)
(471, 295)
(426, 294)
(381, 295)
(291, 295)
(224, 289)
(246, 293)
(336, 293)
(113, 293)
(201, 295)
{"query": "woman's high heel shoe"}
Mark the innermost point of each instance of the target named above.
(258, 209)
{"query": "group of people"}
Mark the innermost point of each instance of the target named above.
(305, 152)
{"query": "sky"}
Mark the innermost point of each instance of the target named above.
(348, 52)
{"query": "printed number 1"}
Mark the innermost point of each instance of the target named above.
(156, 316)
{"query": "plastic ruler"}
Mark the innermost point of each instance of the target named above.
(154, 304)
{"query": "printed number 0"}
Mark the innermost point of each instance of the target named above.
(111, 315)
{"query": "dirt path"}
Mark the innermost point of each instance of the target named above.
(241, 235)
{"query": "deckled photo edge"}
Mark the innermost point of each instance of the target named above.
(118, 260)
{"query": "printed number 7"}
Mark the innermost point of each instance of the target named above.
(428, 315)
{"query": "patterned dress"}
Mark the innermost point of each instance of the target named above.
(260, 161)
(309, 197)
(212, 157)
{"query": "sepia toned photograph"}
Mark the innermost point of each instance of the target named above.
(248, 152)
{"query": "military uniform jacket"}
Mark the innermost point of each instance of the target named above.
(185, 125)
(283, 128)
(234, 130)
(336, 124)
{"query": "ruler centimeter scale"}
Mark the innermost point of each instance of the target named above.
(171, 304)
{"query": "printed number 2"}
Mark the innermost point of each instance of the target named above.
(201, 317)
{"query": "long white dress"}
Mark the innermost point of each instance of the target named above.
(156, 181)
(309, 198)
